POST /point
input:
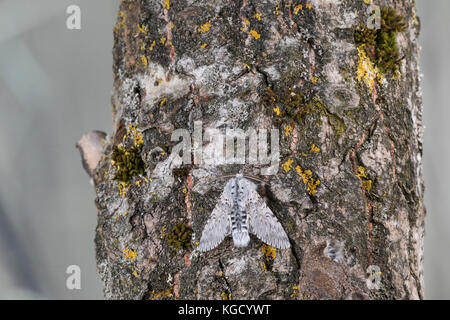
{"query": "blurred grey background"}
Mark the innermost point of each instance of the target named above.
(55, 85)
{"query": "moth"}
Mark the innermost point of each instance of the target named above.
(240, 210)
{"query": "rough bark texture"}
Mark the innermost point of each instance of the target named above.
(263, 64)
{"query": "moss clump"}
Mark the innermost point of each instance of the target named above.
(380, 45)
(127, 162)
(180, 237)
(365, 36)
(391, 21)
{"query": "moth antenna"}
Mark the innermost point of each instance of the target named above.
(254, 178)
(245, 176)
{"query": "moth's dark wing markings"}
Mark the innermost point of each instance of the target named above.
(264, 224)
(218, 225)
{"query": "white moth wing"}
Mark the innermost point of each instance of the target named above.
(218, 225)
(264, 224)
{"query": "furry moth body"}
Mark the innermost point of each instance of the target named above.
(240, 210)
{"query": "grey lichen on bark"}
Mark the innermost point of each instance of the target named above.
(349, 192)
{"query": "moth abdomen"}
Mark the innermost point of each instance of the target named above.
(241, 238)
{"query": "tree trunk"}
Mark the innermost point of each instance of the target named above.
(349, 191)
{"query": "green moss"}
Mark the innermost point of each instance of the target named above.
(180, 237)
(365, 36)
(380, 45)
(127, 162)
(391, 21)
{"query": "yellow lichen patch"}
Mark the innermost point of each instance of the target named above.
(162, 294)
(142, 28)
(308, 180)
(277, 10)
(184, 190)
(361, 172)
(270, 253)
(277, 111)
(152, 45)
(258, 16)
(246, 21)
(315, 148)
(163, 101)
(308, 6)
(167, 4)
(367, 184)
(120, 21)
(137, 136)
(297, 9)
(144, 60)
(314, 80)
(287, 165)
(136, 274)
(123, 188)
(204, 27)
(172, 26)
(203, 46)
(264, 266)
(129, 254)
(255, 34)
(287, 130)
(225, 296)
(295, 291)
(163, 40)
(367, 71)
(362, 175)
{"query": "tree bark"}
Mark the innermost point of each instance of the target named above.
(349, 189)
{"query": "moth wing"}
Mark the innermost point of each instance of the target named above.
(218, 225)
(264, 224)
